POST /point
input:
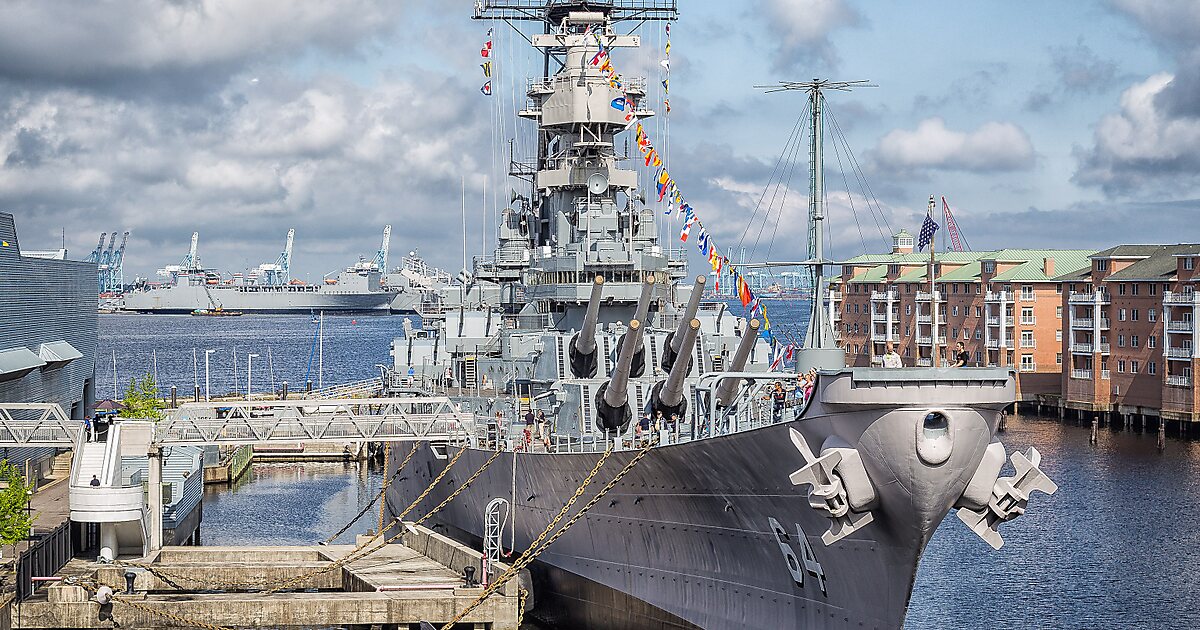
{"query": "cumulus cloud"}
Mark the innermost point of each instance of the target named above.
(800, 29)
(994, 146)
(1142, 144)
(78, 41)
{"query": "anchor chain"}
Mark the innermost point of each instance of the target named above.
(382, 492)
(185, 622)
(542, 543)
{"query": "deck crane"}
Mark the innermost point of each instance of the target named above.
(382, 255)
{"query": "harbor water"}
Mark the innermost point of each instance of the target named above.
(1115, 547)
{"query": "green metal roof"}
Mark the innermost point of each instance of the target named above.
(1030, 269)
(874, 274)
(1160, 265)
(965, 273)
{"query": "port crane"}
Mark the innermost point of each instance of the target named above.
(109, 261)
(382, 255)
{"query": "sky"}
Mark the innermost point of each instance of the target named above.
(1066, 125)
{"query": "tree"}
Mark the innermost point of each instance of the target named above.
(15, 519)
(141, 400)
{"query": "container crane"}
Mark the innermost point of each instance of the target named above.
(381, 257)
(279, 272)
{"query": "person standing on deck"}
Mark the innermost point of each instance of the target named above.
(961, 356)
(891, 359)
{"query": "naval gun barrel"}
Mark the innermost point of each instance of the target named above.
(675, 343)
(643, 305)
(583, 345)
(612, 400)
(667, 396)
(729, 386)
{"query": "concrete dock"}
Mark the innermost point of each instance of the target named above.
(394, 586)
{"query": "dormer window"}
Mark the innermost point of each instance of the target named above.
(894, 269)
(989, 266)
(1101, 265)
(1188, 263)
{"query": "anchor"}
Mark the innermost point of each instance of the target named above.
(840, 489)
(990, 499)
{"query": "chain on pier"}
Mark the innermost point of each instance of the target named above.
(542, 542)
(387, 452)
(382, 492)
(185, 622)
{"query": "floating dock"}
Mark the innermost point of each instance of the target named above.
(392, 586)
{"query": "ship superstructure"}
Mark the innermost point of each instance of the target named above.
(743, 508)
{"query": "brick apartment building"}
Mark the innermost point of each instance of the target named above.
(1006, 307)
(1131, 316)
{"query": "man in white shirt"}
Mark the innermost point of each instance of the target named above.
(891, 359)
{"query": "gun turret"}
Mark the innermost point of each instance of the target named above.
(612, 399)
(584, 358)
(643, 305)
(667, 395)
(674, 345)
(638, 366)
(729, 386)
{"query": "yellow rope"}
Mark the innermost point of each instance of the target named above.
(542, 543)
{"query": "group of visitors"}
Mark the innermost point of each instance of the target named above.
(798, 396)
(649, 426)
(891, 359)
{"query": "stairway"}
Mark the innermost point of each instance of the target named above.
(90, 462)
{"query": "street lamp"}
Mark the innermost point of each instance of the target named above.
(249, 362)
(29, 510)
(206, 353)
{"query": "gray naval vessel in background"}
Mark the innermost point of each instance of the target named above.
(737, 515)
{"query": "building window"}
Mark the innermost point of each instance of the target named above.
(893, 269)
(1152, 367)
(1058, 288)
(1151, 341)
(1166, 287)
(1101, 265)
(856, 309)
(1121, 289)
(1153, 288)
(1133, 288)
(1027, 315)
(989, 266)
(1133, 314)
(1120, 341)
(979, 333)
(978, 311)
(953, 333)
(1027, 339)
(1133, 367)
(1121, 315)
(1151, 314)
(1121, 366)
(966, 334)
(910, 288)
(1058, 335)
(908, 309)
(1058, 358)
(1133, 341)
(1026, 292)
(1027, 362)
(1058, 312)
(1188, 263)
(956, 311)
(953, 287)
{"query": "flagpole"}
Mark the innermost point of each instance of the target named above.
(933, 319)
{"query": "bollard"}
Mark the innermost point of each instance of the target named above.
(469, 577)
(174, 398)
(130, 576)
(308, 387)
(196, 394)
(283, 392)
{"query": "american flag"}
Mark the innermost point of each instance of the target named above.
(927, 230)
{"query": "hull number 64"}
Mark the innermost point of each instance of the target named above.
(806, 562)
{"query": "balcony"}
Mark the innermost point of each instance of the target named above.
(998, 296)
(1082, 348)
(1028, 367)
(1089, 298)
(994, 344)
(1178, 380)
(1104, 323)
(1082, 323)
(1029, 343)
(1104, 348)
(1180, 326)
(879, 337)
(883, 296)
(1104, 374)
(1028, 297)
(834, 295)
(1183, 352)
(993, 321)
(924, 319)
(924, 296)
(1171, 297)
(925, 341)
(941, 318)
(1084, 374)
(924, 362)
(1029, 321)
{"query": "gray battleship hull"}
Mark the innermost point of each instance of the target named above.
(185, 299)
(691, 536)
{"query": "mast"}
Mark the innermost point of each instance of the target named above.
(819, 350)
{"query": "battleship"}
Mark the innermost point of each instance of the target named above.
(736, 512)
(189, 287)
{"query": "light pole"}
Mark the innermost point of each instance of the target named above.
(249, 362)
(206, 354)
